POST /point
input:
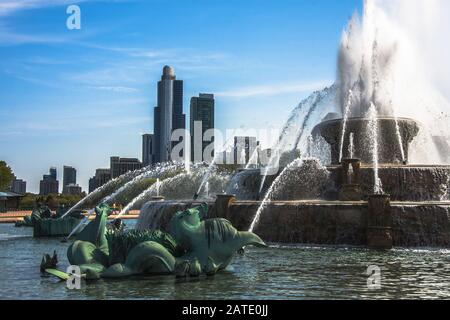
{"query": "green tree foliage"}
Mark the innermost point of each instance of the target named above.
(6, 176)
(53, 200)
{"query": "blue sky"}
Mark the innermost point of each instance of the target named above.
(77, 97)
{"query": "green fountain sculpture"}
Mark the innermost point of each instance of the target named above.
(194, 245)
(47, 224)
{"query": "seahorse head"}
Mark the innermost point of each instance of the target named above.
(185, 223)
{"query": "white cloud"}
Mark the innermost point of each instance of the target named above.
(8, 7)
(116, 89)
(133, 67)
(273, 89)
(61, 125)
(10, 37)
(34, 80)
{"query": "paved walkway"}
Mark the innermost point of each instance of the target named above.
(14, 216)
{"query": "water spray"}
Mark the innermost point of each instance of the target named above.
(344, 123)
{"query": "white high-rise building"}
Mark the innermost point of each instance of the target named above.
(168, 114)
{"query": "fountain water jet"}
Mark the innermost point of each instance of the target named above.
(446, 189)
(400, 140)
(309, 147)
(205, 179)
(212, 166)
(344, 123)
(373, 136)
(181, 186)
(110, 184)
(302, 179)
(207, 190)
(153, 189)
(267, 199)
(140, 175)
(158, 186)
(159, 170)
(292, 137)
(351, 146)
(253, 159)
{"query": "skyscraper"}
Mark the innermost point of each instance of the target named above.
(53, 173)
(201, 114)
(69, 178)
(168, 114)
(49, 184)
(244, 148)
(101, 177)
(148, 144)
(73, 189)
(120, 166)
(18, 186)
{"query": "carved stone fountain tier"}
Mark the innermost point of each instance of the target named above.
(403, 183)
(389, 147)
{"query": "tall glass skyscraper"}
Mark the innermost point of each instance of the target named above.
(202, 114)
(168, 114)
(148, 149)
(70, 177)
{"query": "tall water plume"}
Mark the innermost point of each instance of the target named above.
(394, 56)
(344, 123)
(351, 146)
(372, 135)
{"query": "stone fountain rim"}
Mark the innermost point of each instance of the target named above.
(354, 119)
(395, 166)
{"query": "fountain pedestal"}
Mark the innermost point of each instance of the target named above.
(389, 150)
(350, 192)
(223, 202)
(379, 222)
(351, 188)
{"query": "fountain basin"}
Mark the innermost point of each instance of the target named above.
(389, 150)
(403, 183)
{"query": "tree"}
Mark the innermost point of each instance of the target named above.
(52, 202)
(6, 176)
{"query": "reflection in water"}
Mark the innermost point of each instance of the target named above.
(279, 272)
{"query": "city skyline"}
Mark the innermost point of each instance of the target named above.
(91, 92)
